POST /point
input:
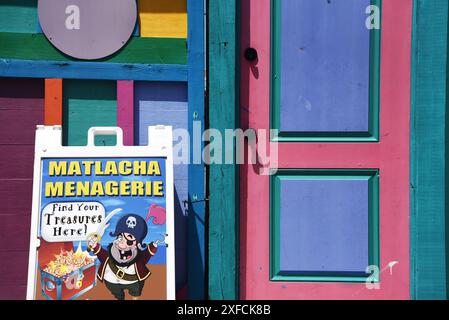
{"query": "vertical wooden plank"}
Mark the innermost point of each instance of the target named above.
(196, 212)
(86, 104)
(21, 109)
(125, 110)
(428, 151)
(166, 102)
(223, 214)
(53, 102)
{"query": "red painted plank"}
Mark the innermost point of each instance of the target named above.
(16, 161)
(53, 102)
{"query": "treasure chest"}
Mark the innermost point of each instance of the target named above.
(66, 274)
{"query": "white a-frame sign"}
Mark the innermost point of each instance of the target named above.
(102, 222)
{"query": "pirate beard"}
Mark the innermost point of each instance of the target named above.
(122, 264)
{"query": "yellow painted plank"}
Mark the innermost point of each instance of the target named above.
(163, 18)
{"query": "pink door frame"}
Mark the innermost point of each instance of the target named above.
(390, 156)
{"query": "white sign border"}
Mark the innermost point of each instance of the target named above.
(49, 145)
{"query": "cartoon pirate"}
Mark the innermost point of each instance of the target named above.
(123, 264)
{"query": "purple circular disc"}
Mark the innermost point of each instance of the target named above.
(88, 29)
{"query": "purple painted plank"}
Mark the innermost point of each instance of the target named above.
(324, 235)
(13, 292)
(14, 267)
(21, 109)
(16, 196)
(22, 88)
(16, 162)
(166, 103)
(15, 231)
(325, 58)
(18, 124)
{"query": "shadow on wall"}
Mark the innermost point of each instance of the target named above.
(166, 103)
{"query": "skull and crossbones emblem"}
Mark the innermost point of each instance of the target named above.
(131, 222)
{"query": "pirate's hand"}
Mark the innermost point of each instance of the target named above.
(92, 241)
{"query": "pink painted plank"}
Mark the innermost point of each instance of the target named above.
(391, 156)
(16, 161)
(125, 110)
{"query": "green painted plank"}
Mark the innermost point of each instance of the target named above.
(428, 143)
(18, 16)
(86, 104)
(223, 179)
(29, 46)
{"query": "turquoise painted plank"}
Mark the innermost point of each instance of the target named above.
(92, 70)
(223, 184)
(196, 266)
(18, 16)
(428, 151)
(86, 104)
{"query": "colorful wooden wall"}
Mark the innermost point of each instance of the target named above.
(428, 141)
(153, 80)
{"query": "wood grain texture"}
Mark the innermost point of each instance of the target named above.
(197, 187)
(21, 109)
(13, 292)
(15, 161)
(27, 46)
(18, 16)
(166, 103)
(88, 103)
(15, 230)
(223, 214)
(16, 261)
(163, 19)
(125, 110)
(92, 70)
(16, 195)
(429, 246)
(53, 102)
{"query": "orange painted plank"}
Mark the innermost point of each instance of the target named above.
(53, 102)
